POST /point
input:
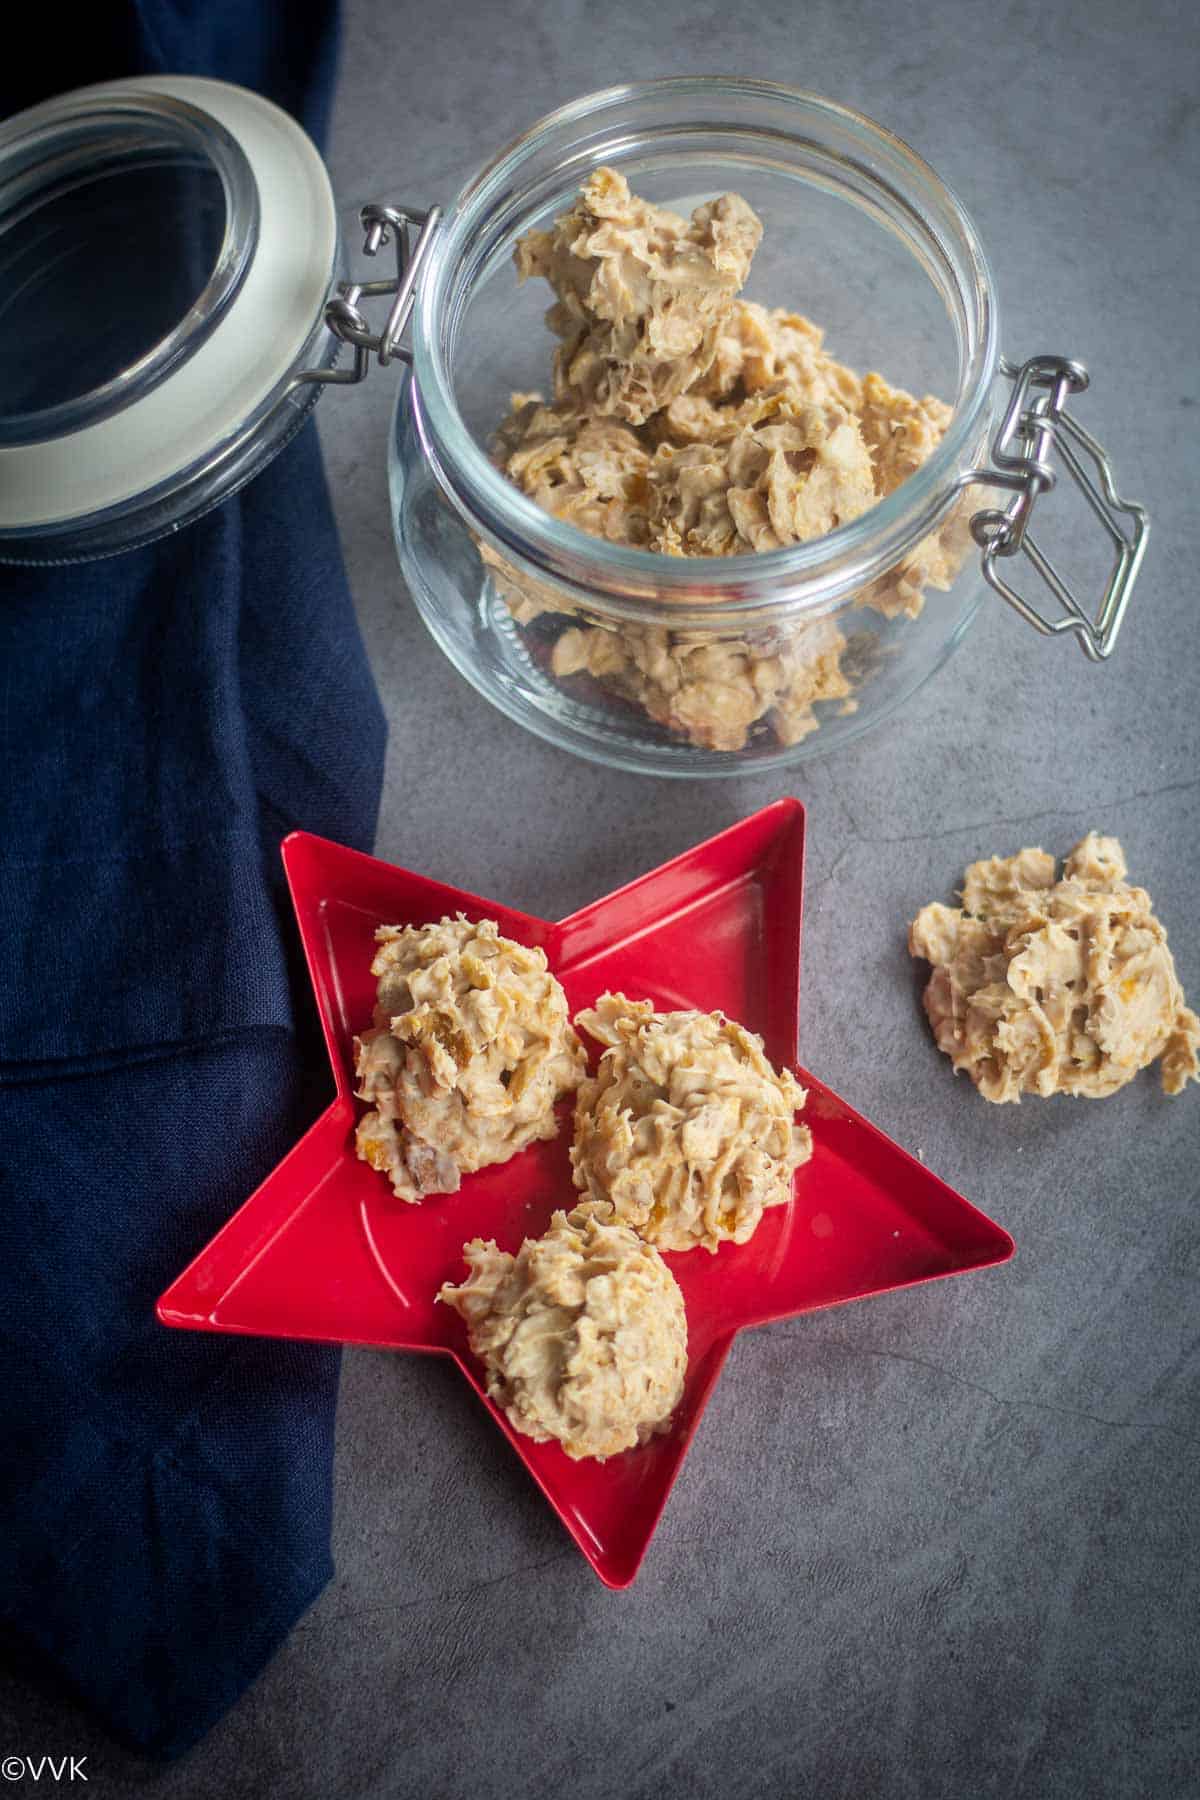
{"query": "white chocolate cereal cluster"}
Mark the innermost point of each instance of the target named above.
(686, 1129)
(1044, 984)
(470, 1050)
(687, 421)
(582, 1333)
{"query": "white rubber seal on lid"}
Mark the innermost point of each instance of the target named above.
(204, 403)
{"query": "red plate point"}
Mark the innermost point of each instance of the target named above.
(323, 1250)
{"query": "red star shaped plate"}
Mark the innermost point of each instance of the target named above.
(323, 1250)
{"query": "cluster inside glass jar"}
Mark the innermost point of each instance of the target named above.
(687, 421)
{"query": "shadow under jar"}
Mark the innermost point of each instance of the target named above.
(710, 665)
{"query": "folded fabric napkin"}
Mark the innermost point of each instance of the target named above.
(166, 716)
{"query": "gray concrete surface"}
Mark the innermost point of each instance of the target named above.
(939, 1544)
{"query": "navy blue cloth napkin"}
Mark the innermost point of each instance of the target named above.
(165, 718)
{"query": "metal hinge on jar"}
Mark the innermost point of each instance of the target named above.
(343, 314)
(1035, 424)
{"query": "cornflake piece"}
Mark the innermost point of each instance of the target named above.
(582, 1333)
(686, 1128)
(471, 1047)
(1055, 986)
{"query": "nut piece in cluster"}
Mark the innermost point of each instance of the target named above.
(686, 1128)
(472, 1046)
(1055, 986)
(582, 1333)
(642, 294)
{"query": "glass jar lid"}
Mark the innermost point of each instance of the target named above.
(167, 246)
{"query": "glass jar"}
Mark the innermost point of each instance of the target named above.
(712, 665)
(173, 305)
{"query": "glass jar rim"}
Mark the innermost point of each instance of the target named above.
(637, 583)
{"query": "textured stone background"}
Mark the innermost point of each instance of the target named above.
(939, 1544)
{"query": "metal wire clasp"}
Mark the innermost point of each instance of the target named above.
(1035, 424)
(343, 315)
